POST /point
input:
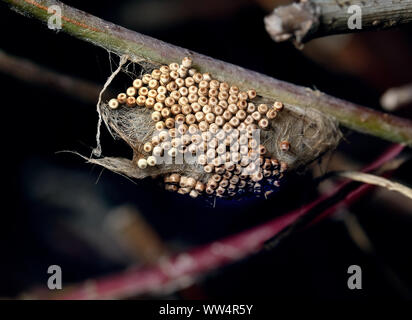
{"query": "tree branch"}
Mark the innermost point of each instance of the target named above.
(311, 19)
(143, 48)
(28, 71)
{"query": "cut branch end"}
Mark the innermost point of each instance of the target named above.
(295, 22)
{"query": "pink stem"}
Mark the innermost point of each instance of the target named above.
(179, 271)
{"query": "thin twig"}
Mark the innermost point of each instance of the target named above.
(183, 269)
(28, 71)
(142, 48)
(356, 232)
(377, 181)
(311, 19)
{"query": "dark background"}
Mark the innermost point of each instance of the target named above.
(54, 205)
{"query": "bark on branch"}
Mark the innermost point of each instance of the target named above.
(143, 48)
(310, 19)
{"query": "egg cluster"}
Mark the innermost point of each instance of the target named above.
(231, 181)
(219, 124)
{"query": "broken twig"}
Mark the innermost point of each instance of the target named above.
(309, 19)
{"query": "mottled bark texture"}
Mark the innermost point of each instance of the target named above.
(310, 19)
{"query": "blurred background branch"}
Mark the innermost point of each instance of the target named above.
(35, 74)
(180, 271)
(395, 98)
(360, 237)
